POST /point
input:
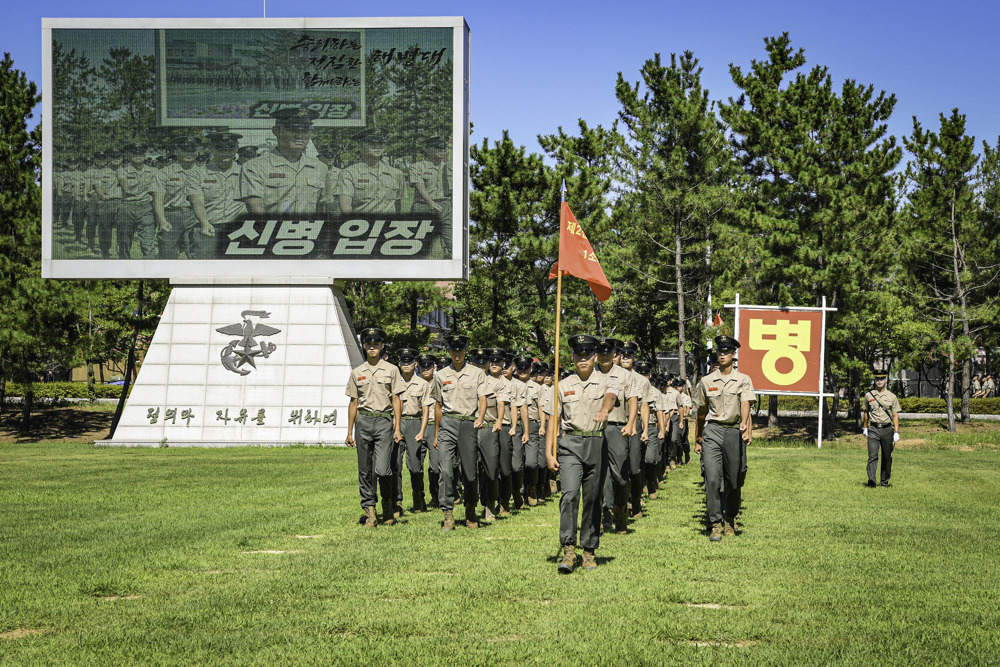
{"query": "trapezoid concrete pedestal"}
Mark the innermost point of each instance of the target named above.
(244, 364)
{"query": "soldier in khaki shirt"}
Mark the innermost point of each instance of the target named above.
(520, 429)
(220, 186)
(137, 207)
(417, 402)
(880, 422)
(285, 180)
(625, 359)
(535, 470)
(427, 364)
(621, 426)
(723, 399)
(371, 185)
(373, 425)
(432, 180)
(581, 407)
(491, 360)
(461, 392)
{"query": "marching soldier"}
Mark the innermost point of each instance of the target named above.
(432, 181)
(373, 425)
(220, 185)
(371, 185)
(461, 392)
(109, 195)
(582, 406)
(880, 424)
(417, 402)
(723, 399)
(535, 468)
(684, 409)
(179, 203)
(507, 446)
(521, 430)
(649, 425)
(491, 360)
(427, 364)
(285, 180)
(625, 358)
(137, 204)
(621, 425)
(90, 178)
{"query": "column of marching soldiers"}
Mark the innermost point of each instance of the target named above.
(502, 466)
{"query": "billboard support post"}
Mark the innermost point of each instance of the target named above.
(784, 350)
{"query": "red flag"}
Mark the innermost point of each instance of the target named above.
(718, 321)
(576, 256)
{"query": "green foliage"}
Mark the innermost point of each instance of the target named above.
(396, 308)
(57, 391)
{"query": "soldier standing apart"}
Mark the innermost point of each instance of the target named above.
(371, 185)
(373, 417)
(460, 390)
(137, 208)
(427, 364)
(285, 180)
(580, 456)
(417, 402)
(880, 424)
(432, 180)
(723, 399)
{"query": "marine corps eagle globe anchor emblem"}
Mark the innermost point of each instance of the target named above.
(241, 353)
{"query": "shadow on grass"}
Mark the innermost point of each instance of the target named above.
(62, 424)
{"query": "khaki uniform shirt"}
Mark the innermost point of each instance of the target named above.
(371, 189)
(416, 394)
(176, 184)
(434, 176)
(667, 402)
(285, 186)
(374, 386)
(138, 183)
(624, 380)
(533, 399)
(330, 198)
(110, 180)
(458, 392)
(581, 400)
(222, 193)
(72, 183)
(876, 414)
(516, 390)
(90, 178)
(498, 392)
(724, 396)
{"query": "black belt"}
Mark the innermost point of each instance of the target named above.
(617, 423)
(585, 434)
(370, 413)
(886, 425)
(726, 425)
(455, 415)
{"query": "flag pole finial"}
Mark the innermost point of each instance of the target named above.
(562, 191)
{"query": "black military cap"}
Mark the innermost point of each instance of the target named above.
(326, 151)
(880, 373)
(481, 355)
(135, 149)
(564, 373)
(295, 118)
(643, 367)
(726, 343)
(372, 335)
(678, 381)
(247, 151)
(373, 135)
(185, 144)
(583, 344)
(550, 369)
(436, 143)
(224, 139)
(496, 355)
(110, 153)
(457, 341)
(537, 368)
(523, 363)
(629, 348)
(427, 360)
(407, 355)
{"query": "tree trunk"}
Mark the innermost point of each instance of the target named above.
(772, 411)
(966, 389)
(129, 368)
(27, 403)
(681, 317)
(950, 382)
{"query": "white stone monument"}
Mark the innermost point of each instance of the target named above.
(234, 363)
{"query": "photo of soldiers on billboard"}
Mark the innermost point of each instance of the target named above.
(253, 144)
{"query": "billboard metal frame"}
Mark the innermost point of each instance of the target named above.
(395, 268)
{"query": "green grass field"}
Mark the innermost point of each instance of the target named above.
(255, 556)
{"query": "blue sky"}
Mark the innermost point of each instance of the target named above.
(540, 65)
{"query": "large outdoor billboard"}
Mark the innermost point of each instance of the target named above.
(273, 147)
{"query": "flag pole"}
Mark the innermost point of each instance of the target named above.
(554, 427)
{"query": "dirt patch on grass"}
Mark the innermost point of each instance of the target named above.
(308, 537)
(112, 598)
(48, 424)
(273, 551)
(733, 644)
(21, 633)
(707, 605)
